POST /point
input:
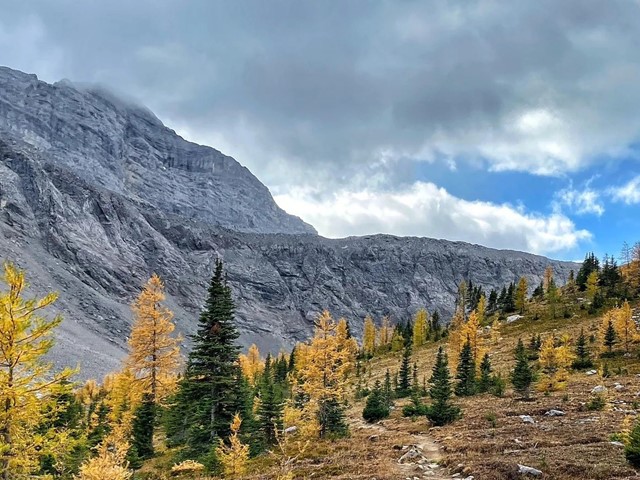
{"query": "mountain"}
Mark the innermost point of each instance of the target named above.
(96, 194)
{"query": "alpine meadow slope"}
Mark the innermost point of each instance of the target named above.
(96, 195)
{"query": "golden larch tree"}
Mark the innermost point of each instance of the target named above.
(234, 456)
(110, 463)
(369, 336)
(495, 329)
(554, 362)
(592, 286)
(346, 342)
(626, 329)
(329, 361)
(27, 386)
(481, 309)
(154, 357)
(251, 364)
(548, 278)
(521, 295)
(420, 328)
(385, 333)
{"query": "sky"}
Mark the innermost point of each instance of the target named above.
(509, 124)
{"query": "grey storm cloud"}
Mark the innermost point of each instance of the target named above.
(354, 91)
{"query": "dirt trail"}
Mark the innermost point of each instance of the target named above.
(417, 457)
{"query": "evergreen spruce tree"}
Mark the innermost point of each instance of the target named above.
(466, 373)
(142, 428)
(484, 385)
(206, 401)
(441, 411)
(387, 389)
(632, 447)
(404, 375)
(510, 300)
(492, 305)
(377, 406)
(435, 326)
(415, 384)
(522, 375)
(610, 336)
(281, 369)
(270, 410)
(583, 358)
(292, 360)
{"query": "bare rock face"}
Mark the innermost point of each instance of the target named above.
(96, 195)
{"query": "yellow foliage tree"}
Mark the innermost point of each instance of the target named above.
(122, 395)
(27, 386)
(481, 309)
(456, 339)
(154, 357)
(329, 361)
(251, 363)
(385, 333)
(420, 328)
(397, 341)
(470, 333)
(495, 329)
(521, 295)
(346, 343)
(369, 336)
(463, 332)
(592, 285)
(548, 278)
(110, 463)
(626, 329)
(293, 444)
(554, 362)
(233, 457)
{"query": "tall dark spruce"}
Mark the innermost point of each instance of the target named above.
(208, 396)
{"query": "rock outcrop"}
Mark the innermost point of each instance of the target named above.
(96, 194)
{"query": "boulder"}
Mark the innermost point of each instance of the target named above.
(555, 413)
(599, 389)
(527, 419)
(524, 470)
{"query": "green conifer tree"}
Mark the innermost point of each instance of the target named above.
(404, 375)
(377, 406)
(415, 383)
(466, 373)
(484, 384)
(522, 375)
(387, 389)
(206, 401)
(610, 337)
(441, 411)
(632, 447)
(270, 411)
(142, 428)
(583, 357)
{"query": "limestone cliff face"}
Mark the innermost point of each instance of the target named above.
(96, 194)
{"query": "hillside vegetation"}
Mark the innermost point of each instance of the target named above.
(523, 381)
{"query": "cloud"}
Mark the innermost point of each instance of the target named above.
(334, 90)
(427, 210)
(581, 202)
(629, 193)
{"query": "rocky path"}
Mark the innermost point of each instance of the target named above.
(418, 456)
(420, 459)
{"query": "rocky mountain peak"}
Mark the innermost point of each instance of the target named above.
(96, 194)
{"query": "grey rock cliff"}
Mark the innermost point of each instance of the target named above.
(96, 195)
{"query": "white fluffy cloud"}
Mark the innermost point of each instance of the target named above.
(428, 210)
(628, 193)
(580, 202)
